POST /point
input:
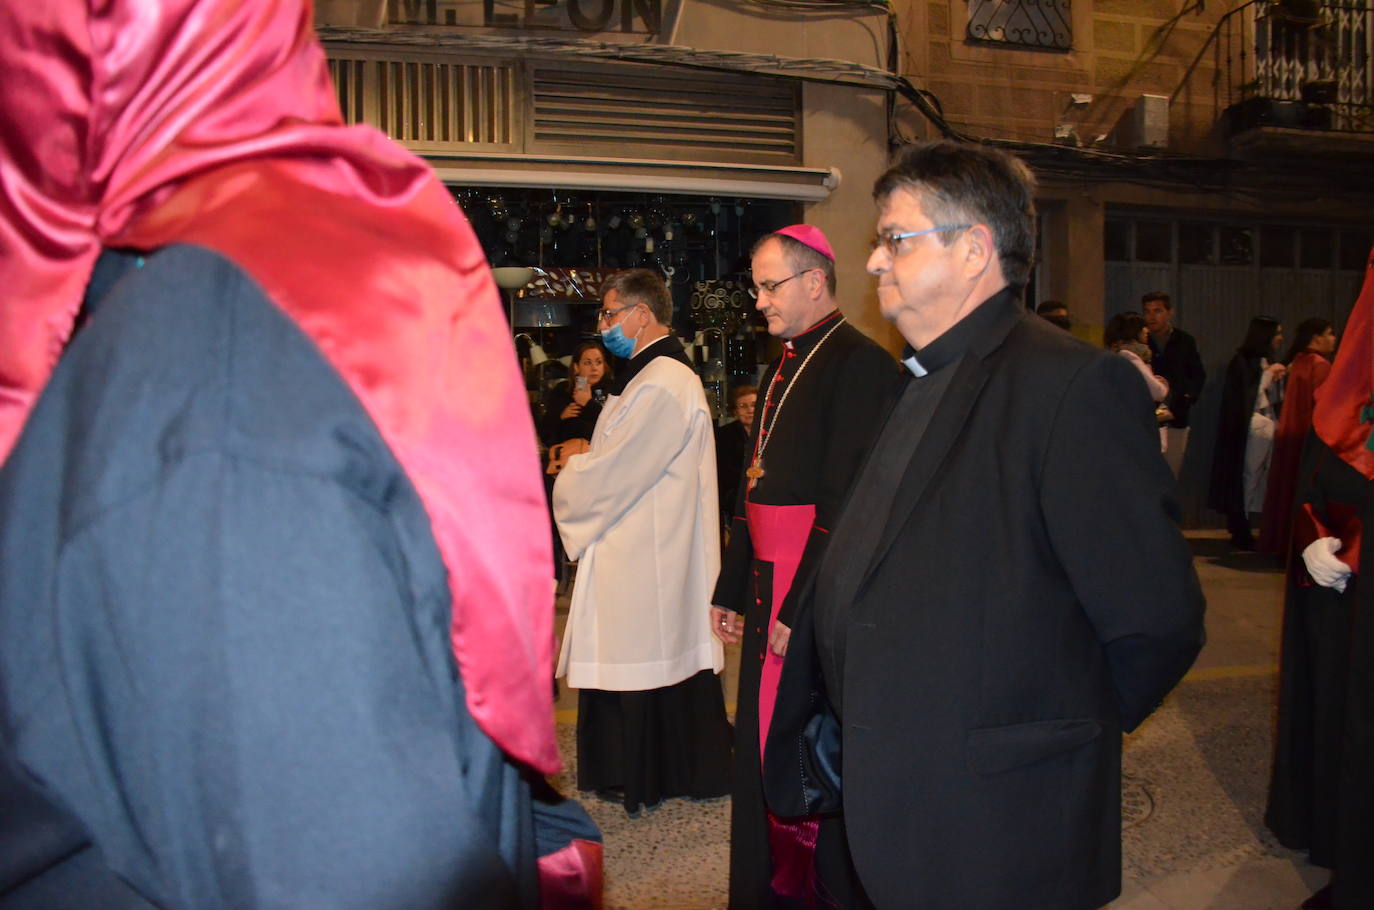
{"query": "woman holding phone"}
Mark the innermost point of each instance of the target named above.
(571, 408)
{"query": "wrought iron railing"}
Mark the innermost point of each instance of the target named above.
(1038, 24)
(1300, 63)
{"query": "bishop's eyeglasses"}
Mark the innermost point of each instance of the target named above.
(771, 287)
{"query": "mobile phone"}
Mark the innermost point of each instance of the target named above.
(580, 383)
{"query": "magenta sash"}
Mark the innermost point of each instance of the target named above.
(779, 535)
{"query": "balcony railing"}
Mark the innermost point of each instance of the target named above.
(1305, 64)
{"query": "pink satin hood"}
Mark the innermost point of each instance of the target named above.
(141, 123)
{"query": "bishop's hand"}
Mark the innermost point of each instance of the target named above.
(778, 638)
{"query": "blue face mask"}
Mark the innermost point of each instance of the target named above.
(616, 342)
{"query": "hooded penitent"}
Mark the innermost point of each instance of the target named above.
(136, 124)
(1344, 413)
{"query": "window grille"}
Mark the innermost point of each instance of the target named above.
(1036, 24)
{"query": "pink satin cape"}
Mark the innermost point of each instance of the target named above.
(141, 123)
(1344, 413)
(571, 878)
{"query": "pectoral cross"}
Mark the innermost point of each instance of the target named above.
(754, 472)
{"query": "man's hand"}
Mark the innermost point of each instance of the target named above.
(1322, 564)
(777, 639)
(725, 624)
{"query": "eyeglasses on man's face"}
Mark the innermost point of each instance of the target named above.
(891, 241)
(606, 315)
(771, 287)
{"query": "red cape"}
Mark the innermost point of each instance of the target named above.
(142, 123)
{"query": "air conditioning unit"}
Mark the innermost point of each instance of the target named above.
(1150, 122)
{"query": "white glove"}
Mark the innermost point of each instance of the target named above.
(1322, 564)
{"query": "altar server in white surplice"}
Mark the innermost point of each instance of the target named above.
(639, 513)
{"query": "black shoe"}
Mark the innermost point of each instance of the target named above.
(611, 794)
(1319, 901)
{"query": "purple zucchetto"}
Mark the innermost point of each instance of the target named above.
(810, 235)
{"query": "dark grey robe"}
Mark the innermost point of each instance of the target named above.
(225, 674)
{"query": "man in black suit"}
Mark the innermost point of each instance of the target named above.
(1175, 357)
(1006, 589)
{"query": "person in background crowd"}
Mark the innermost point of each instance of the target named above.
(1308, 362)
(1245, 429)
(639, 512)
(823, 399)
(732, 446)
(571, 408)
(985, 628)
(1056, 313)
(275, 617)
(1177, 361)
(570, 412)
(1126, 335)
(1321, 794)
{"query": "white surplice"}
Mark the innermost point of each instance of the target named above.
(639, 513)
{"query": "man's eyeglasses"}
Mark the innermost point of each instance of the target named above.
(771, 287)
(890, 241)
(605, 315)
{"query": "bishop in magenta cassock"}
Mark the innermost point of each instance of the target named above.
(821, 402)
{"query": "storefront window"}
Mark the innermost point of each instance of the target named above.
(1116, 240)
(1276, 248)
(1197, 244)
(1237, 246)
(1315, 249)
(1354, 250)
(1154, 241)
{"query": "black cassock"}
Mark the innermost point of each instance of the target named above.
(1227, 493)
(813, 445)
(1321, 795)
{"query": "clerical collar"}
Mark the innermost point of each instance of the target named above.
(809, 337)
(964, 334)
(911, 363)
(666, 346)
(641, 352)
